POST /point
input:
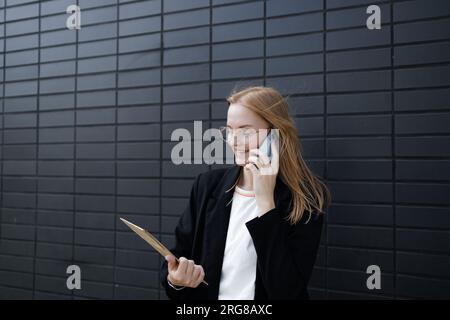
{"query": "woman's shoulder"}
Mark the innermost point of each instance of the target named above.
(212, 178)
(215, 173)
(211, 175)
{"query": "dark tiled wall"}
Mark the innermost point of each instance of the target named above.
(87, 116)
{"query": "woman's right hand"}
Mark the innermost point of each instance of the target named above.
(185, 272)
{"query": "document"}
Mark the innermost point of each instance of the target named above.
(151, 240)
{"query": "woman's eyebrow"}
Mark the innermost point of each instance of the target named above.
(243, 126)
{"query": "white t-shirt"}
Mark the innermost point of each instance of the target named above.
(237, 281)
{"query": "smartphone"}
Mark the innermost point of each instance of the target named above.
(266, 145)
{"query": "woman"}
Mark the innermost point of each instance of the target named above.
(250, 231)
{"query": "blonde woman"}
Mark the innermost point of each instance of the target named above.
(248, 235)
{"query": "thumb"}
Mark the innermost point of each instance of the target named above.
(171, 262)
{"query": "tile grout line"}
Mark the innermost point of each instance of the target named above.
(3, 121)
(325, 116)
(210, 62)
(393, 155)
(36, 184)
(74, 167)
(116, 111)
(265, 43)
(161, 107)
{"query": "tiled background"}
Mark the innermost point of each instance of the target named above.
(86, 119)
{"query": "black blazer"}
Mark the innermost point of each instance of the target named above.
(285, 253)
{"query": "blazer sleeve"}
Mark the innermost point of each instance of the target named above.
(286, 254)
(184, 237)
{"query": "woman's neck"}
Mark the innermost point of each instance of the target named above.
(246, 180)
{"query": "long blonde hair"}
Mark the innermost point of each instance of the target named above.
(308, 192)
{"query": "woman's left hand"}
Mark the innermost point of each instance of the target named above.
(264, 174)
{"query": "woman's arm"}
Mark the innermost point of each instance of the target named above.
(184, 235)
(286, 254)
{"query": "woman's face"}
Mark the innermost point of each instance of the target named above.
(245, 133)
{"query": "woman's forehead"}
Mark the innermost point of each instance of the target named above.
(240, 116)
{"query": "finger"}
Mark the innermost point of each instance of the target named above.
(201, 276)
(257, 161)
(252, 168)
(195, 274)
(171, 262)
(264, 159)
(190, 268)
(253, 159)
(182, 267)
